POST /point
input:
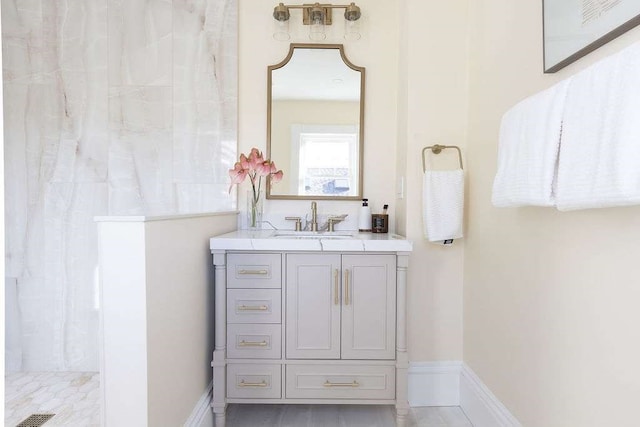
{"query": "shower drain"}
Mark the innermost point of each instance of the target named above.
(35, 420)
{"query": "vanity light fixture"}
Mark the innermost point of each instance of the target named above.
(317, 15)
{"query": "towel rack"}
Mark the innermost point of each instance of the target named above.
(436, 149)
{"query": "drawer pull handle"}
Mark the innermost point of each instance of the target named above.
(244, 343)
(253, 307)
(336, 291)
(330, 384)
(346, 287)
(263, 383)
(262, 272)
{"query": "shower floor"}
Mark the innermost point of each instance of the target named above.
(73, 396)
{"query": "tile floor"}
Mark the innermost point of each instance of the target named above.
(340, 416)
(73, 396)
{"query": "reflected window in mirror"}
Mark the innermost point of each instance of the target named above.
(324, 159)
(315, 119)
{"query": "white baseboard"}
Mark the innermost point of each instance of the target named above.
(434, 383)
(201, 416)
(480, 405)
(455, 384)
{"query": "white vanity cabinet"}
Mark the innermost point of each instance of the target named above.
(340, 306)
(296, 325)
(254, 325)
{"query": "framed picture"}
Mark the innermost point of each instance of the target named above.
(573, 28)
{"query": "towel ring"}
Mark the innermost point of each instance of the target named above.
(437, 149)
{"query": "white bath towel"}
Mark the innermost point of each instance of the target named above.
(528, 150)
(599, 163)
(442, 202)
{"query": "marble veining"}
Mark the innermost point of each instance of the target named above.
(117, 107)
(140, 151)
(204, 93)
(73, 396)
(283, 240)
(140, 51)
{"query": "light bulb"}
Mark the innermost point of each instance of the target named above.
(351, 22)
(316, 27)
(281, 30)
(281, 26)
(351, 30)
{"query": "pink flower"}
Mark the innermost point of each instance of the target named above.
(255, 159)
(276, 175)
(255, 166)
(244, 162)
(264, 168)
(255, 153)
(238, 174)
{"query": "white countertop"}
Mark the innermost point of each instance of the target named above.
(265, 240)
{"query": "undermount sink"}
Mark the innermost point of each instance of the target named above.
(288, 234)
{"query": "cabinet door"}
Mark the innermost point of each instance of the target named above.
(368, 306)
(313, 306)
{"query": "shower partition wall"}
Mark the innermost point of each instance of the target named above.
(110, 108)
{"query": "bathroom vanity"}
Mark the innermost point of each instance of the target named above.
(314, 318)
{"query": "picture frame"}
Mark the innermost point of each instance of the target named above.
(574, 28)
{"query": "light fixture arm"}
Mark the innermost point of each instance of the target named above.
(351, 12)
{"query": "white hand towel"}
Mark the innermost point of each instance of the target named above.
(443, 201)
(599, 163)
(528, 150)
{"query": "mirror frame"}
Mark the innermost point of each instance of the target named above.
(349, 64)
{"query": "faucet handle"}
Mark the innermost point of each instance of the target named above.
(331, 221)
(297, 219)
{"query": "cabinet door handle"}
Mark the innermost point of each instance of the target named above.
(260, 384)
(262, 272)
(336, 290)
(244, 343)
(330, 384)
(346, 287)
(253, 307)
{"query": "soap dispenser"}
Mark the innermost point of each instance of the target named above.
(364, 221)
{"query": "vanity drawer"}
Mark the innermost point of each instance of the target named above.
(254, 270)
(254, 341)
(253, 306)
(254, 381)
(340, 382)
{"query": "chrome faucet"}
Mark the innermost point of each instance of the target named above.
(314, 216)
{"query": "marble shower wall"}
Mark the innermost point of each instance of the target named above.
(117, 107)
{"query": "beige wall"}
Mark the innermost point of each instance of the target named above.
(436, 113)
(410, 102)
(180, 317)
(550, 298)
(156, 276)
(376, 51)
(433, 110)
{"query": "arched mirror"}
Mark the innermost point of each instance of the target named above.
(315, 122)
